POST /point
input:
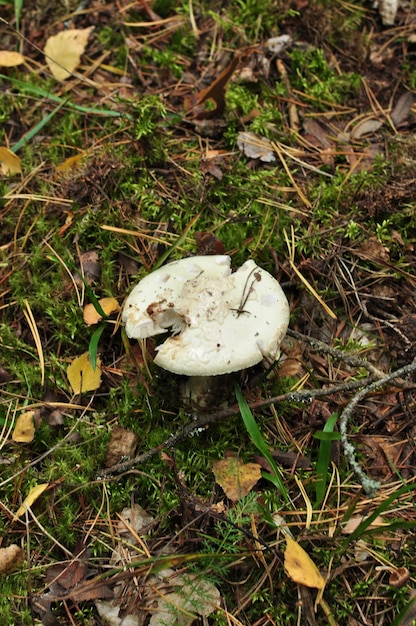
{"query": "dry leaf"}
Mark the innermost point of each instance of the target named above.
(71, 163)
(108, 305)
(192, 596)
(8, 58)
(31, 497)
(354, 522)
(236, 478)
(9, 161)
(63, 51)
(11, 558)
(255, 147)
(82, 376)
(24, 430)
(122, 444)
(300, 567)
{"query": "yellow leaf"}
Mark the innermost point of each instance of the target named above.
(31, 497)
(236, 478)
(70, 164)
(108, 305)
(10, 162)
(8, 58)
(24, 430)
(300, 567)
(63, 51)
(81, 375)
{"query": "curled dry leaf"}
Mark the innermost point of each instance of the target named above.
(11, 558)
(82, 376)
(300, 567)
(9, 58)
(236, 478)
(9, 162)
(63, 51)
(92, 316)
(24, 430)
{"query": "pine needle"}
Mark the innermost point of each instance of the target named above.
(35, 333)
(291, 249)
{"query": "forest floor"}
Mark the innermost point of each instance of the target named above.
(282, 132)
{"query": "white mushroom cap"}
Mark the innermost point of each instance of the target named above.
(220, 322)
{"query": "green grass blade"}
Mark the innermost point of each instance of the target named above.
(36, 129)
(259, 442)
(42, 93)
(324, 457)
(382, 508)
(93, 345)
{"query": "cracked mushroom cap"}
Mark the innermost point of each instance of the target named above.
(219, 321)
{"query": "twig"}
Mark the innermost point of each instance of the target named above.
(199, 424)
(320, 346)
(370, 486)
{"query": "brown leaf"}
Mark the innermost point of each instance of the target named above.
(11, 558)
(123, 443)
(207, 243)
(236, 478)
(291, 362)
(402, 108)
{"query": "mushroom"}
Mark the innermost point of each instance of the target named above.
(219, 321)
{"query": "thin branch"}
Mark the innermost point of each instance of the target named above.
(355, 361)
(200, 423)
(370, 486)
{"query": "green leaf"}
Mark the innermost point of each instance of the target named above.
(323, 436)
(93, 347)
(327, 436)
(259, 442)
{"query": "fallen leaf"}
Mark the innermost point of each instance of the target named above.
(31, 498)
(63, 51)
(89, 269)
(402, 108)
(71, 163)
(354, 522)
(300, 567)
(122, 444)
(291, 362)
(24, 430)
(8, 58)
(255, 147)
(10, 162)
(11, 558)
(207, 243)
(366, 127)
(236, 478)
(192, 596)
(82, 376)
(92, 316)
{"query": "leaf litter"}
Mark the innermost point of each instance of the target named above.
(351, 246)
